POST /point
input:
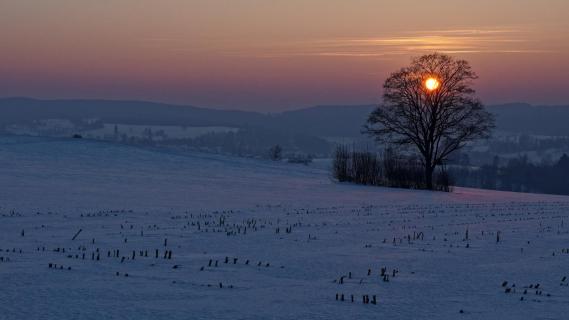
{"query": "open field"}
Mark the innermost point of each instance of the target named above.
(90, 230)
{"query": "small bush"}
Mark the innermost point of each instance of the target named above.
(276, 153)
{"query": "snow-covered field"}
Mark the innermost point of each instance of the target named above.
(168, 235)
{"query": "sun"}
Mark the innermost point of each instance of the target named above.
(432, 84)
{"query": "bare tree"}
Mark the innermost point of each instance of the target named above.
(431, 105)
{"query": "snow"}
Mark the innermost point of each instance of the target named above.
(129, 198)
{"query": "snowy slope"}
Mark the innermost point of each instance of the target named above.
(296, 235)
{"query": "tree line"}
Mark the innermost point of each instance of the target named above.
(388, 169)
(519, 175)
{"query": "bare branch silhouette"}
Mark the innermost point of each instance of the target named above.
(431, 105)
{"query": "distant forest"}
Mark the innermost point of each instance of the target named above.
(519, 174)
(254, 142)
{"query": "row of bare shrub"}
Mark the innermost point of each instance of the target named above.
(388, 169)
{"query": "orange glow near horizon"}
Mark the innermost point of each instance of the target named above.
(275, 55)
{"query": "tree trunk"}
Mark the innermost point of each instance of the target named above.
(429, 169)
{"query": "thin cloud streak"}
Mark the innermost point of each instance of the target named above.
(475, 41)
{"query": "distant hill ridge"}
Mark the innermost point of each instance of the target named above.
(318, 121)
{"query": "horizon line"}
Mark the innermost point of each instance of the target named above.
(189, 105)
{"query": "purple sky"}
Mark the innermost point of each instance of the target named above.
(275, 55)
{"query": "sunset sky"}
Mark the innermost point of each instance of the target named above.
(273, 55)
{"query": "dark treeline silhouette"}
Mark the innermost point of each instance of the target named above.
(389, 170)
(256, 142)
(260, 142)
(519, 174)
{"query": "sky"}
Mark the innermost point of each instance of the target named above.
(274, 55)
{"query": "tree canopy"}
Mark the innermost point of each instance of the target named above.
(432, 106)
